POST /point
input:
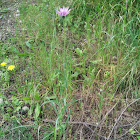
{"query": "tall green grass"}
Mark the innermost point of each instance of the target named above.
(94, 56)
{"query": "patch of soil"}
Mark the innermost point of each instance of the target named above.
(9, 13)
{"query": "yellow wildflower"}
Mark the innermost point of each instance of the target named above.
(11, 67)
(3, 64)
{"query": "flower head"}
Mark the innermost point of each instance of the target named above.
(11, 67)
(3, 64)
(63, 11)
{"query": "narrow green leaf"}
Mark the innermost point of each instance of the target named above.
(96, 61)
(28, 44)
(37, 110)
(26, 98)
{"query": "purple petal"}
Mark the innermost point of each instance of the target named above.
(63, 11)
(57, 12)
(69, 10)
(66, 8)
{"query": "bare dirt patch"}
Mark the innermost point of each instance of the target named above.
(9, 13)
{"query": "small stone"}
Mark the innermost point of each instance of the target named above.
(25, 108)
(18, 11)
(17, 15)
(114, 58)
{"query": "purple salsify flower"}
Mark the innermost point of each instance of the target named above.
(63, 11)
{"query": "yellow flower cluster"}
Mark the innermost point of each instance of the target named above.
(11, 67)
(3, 64)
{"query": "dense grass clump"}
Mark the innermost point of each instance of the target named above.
(76, 76)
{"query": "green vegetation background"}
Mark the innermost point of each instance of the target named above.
(69, 69)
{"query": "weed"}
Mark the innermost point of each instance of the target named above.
(78, 65)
